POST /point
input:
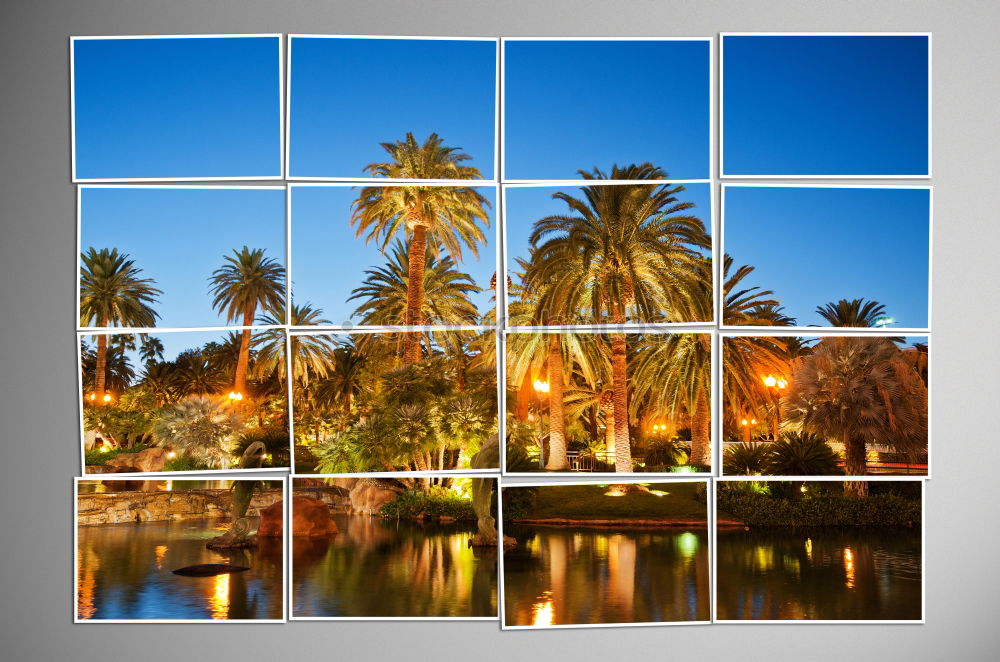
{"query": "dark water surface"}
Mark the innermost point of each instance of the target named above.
(380, 568)
(569, 575)
(124, 572)
(861, 573)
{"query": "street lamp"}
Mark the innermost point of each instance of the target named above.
(235, 397)
(775, 384)
(541, 388)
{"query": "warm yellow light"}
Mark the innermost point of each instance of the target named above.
(770, 381)
(743, 422)
(803, 489)
(93, 396)
(782, 383)
(233, 395)
(171, 455)
(541, 387)
(753, 421)
(104, 449)
(107, 397)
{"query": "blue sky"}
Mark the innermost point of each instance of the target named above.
(350, 95)
(525, 205)
(178, 237)
(812, 246)
(328, 261)
(574, 105)
(182, 108)
(810, 105)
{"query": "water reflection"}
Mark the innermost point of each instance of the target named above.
(384, 568)
(124, 572)
(825, 574)
(565, 575)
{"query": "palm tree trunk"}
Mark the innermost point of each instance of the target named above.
(523, 397)
(701, 432)
(441, 450)
(855, 465)
(619, 399)
(240, 382)
(557, 438)
(100, 377)
(415, 292)
(609, 434)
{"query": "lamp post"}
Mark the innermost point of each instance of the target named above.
(542, 389)
(775, 385)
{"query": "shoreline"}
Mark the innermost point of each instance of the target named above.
(616, 523)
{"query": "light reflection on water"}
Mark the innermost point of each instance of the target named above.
(124, 572)
(856, 573)
(380, 568)
(568, 575)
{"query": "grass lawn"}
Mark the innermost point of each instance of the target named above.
(584, 502)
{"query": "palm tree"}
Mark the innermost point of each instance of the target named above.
(246, 281)
(619, 256)
(112, 293)
(160, 381)
(118, 370)
(802, 454)
(345, 378)
(856, 312)
(859, 391)
(310, 353)
(200, 428)
(432, 217)
(196, 376)
(446, 290)
(151, 349)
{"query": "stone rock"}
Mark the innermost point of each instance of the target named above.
(151, 459)
(366, 499)
(310, 518)
(164, 505)
(272, 520)
(446, 519)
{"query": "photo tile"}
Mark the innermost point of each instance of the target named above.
(405, 547)
(435, 117)
(571, 106)
(819, 551)
(591, 555)
(831, 105)
(184, 401)
(179, 550)
(182, 257)
(609, 254)
(182, 108)
(826, 256)
(608, 403)
(352, 247)
(395, 401)
(844, 405)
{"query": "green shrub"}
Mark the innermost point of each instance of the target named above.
(436, 502)
(746, 459)
(802, 454)
(518, 502)
(184, 463)
(94, 456)
(756, 509)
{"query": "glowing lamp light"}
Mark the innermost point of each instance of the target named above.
(171, 455)
(93, 396)
(235, 397)
(753, 421)
(803, 489)
(107, 397)
(770, 381)
(104, 449)
(541, 387)
(743, 422)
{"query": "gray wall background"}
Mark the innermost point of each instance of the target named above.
(38, 437)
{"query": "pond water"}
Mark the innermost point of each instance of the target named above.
(124, 572)
(570, 575)
(379, 568)
(862, 573)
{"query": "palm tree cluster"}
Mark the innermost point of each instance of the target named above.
(843, 393)
(201, 403)
(360, 406)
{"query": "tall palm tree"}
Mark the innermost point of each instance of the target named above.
(310, 353)
(432, 217)
(246, 281)
(385, 291)
(118, 370)
(856, 312)
(160, 380)
(113, 293)
(150, 349)
(860, 391)
(345, 378)
(195, 375)
(619, 255)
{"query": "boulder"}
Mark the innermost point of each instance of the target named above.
(366, 499)
(272, 520)
(310, 518)
(151, 459)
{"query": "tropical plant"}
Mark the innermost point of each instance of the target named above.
(622, 254)
(113, 293)
(195, 375)
(802, 454)
(118, 370)
(432, 217)
(859, 391)
(854, 312)
(746, 459)
(446, 299)
(201, 428)
(160, 381)
(247, 281)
